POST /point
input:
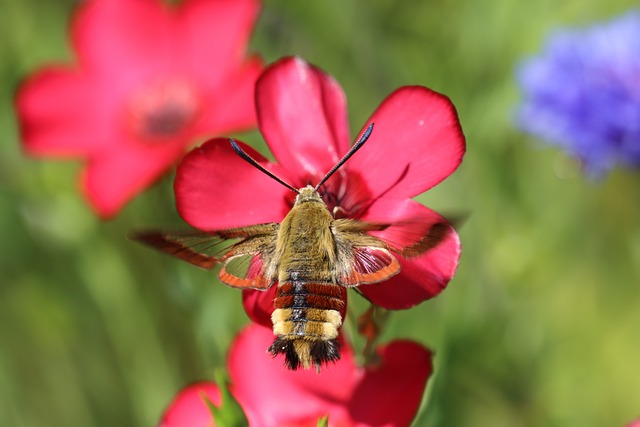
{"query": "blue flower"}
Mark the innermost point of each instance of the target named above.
(583, 93)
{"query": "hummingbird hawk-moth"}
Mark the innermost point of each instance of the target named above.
(312, 256)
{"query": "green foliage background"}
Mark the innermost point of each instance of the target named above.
(540, 327)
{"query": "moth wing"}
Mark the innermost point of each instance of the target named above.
(361, 258)
(370, 265)
(246, 252)
(411, 238)
(366, 250)
(248, 271)
(195, 247)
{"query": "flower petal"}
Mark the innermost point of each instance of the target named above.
(424, 276)
(131, 59)
(111, 179)
(216, 189)
(189, 408)
(390, 394)
(386, 394)
(272, 395)
(302, 115)
(213, 36)
(259, 305)
(52, 106)
(416, 142)
(110, 34)
(230, 106)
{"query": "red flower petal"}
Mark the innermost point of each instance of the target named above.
(142, 41)
(388, 394)
(226, 107)
(151, 77)
(259, 305)
(112, 179)
(189, 408)
(416, 142)
(422, 277)
(392, 391)
(52, 106)
(302, 115)
(213, 36)
(271, 395)
(217, 189)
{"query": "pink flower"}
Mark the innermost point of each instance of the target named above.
(416, 143)
(150, 78)
(190, 409)
(387, 394)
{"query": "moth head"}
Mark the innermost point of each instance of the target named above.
(308, 194)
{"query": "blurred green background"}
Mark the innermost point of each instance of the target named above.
(540, 327)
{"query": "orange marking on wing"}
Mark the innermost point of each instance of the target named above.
(371, 265)
(260, 282)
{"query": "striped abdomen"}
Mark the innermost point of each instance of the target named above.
(306, 320)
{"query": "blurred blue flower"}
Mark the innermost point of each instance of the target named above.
(583, 93)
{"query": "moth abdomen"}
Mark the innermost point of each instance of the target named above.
(306, 322)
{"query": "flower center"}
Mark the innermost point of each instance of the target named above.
(163, 111)
(347, 195)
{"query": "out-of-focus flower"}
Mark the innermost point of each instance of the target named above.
(416, 143)
(190, 407)
(387, 394)
(149, 79)
(635, 423)
(583, 93)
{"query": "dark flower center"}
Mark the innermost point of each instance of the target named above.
(347, 195)
(164, 111)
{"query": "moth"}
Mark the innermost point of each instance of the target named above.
(311, 256)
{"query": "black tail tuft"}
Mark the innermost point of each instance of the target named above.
(325, 351)
(285, 346)
(321, 352)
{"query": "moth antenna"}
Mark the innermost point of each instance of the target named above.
(240, 152)
(359, 143)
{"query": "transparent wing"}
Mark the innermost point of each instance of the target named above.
(247, 271)
(413, 237)
(362, 258)
(365, 250)
(370, 265)
(245, 252)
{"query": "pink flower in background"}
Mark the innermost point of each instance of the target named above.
(416, 143)
(387, 394)
(190, 409)
(149, 79)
